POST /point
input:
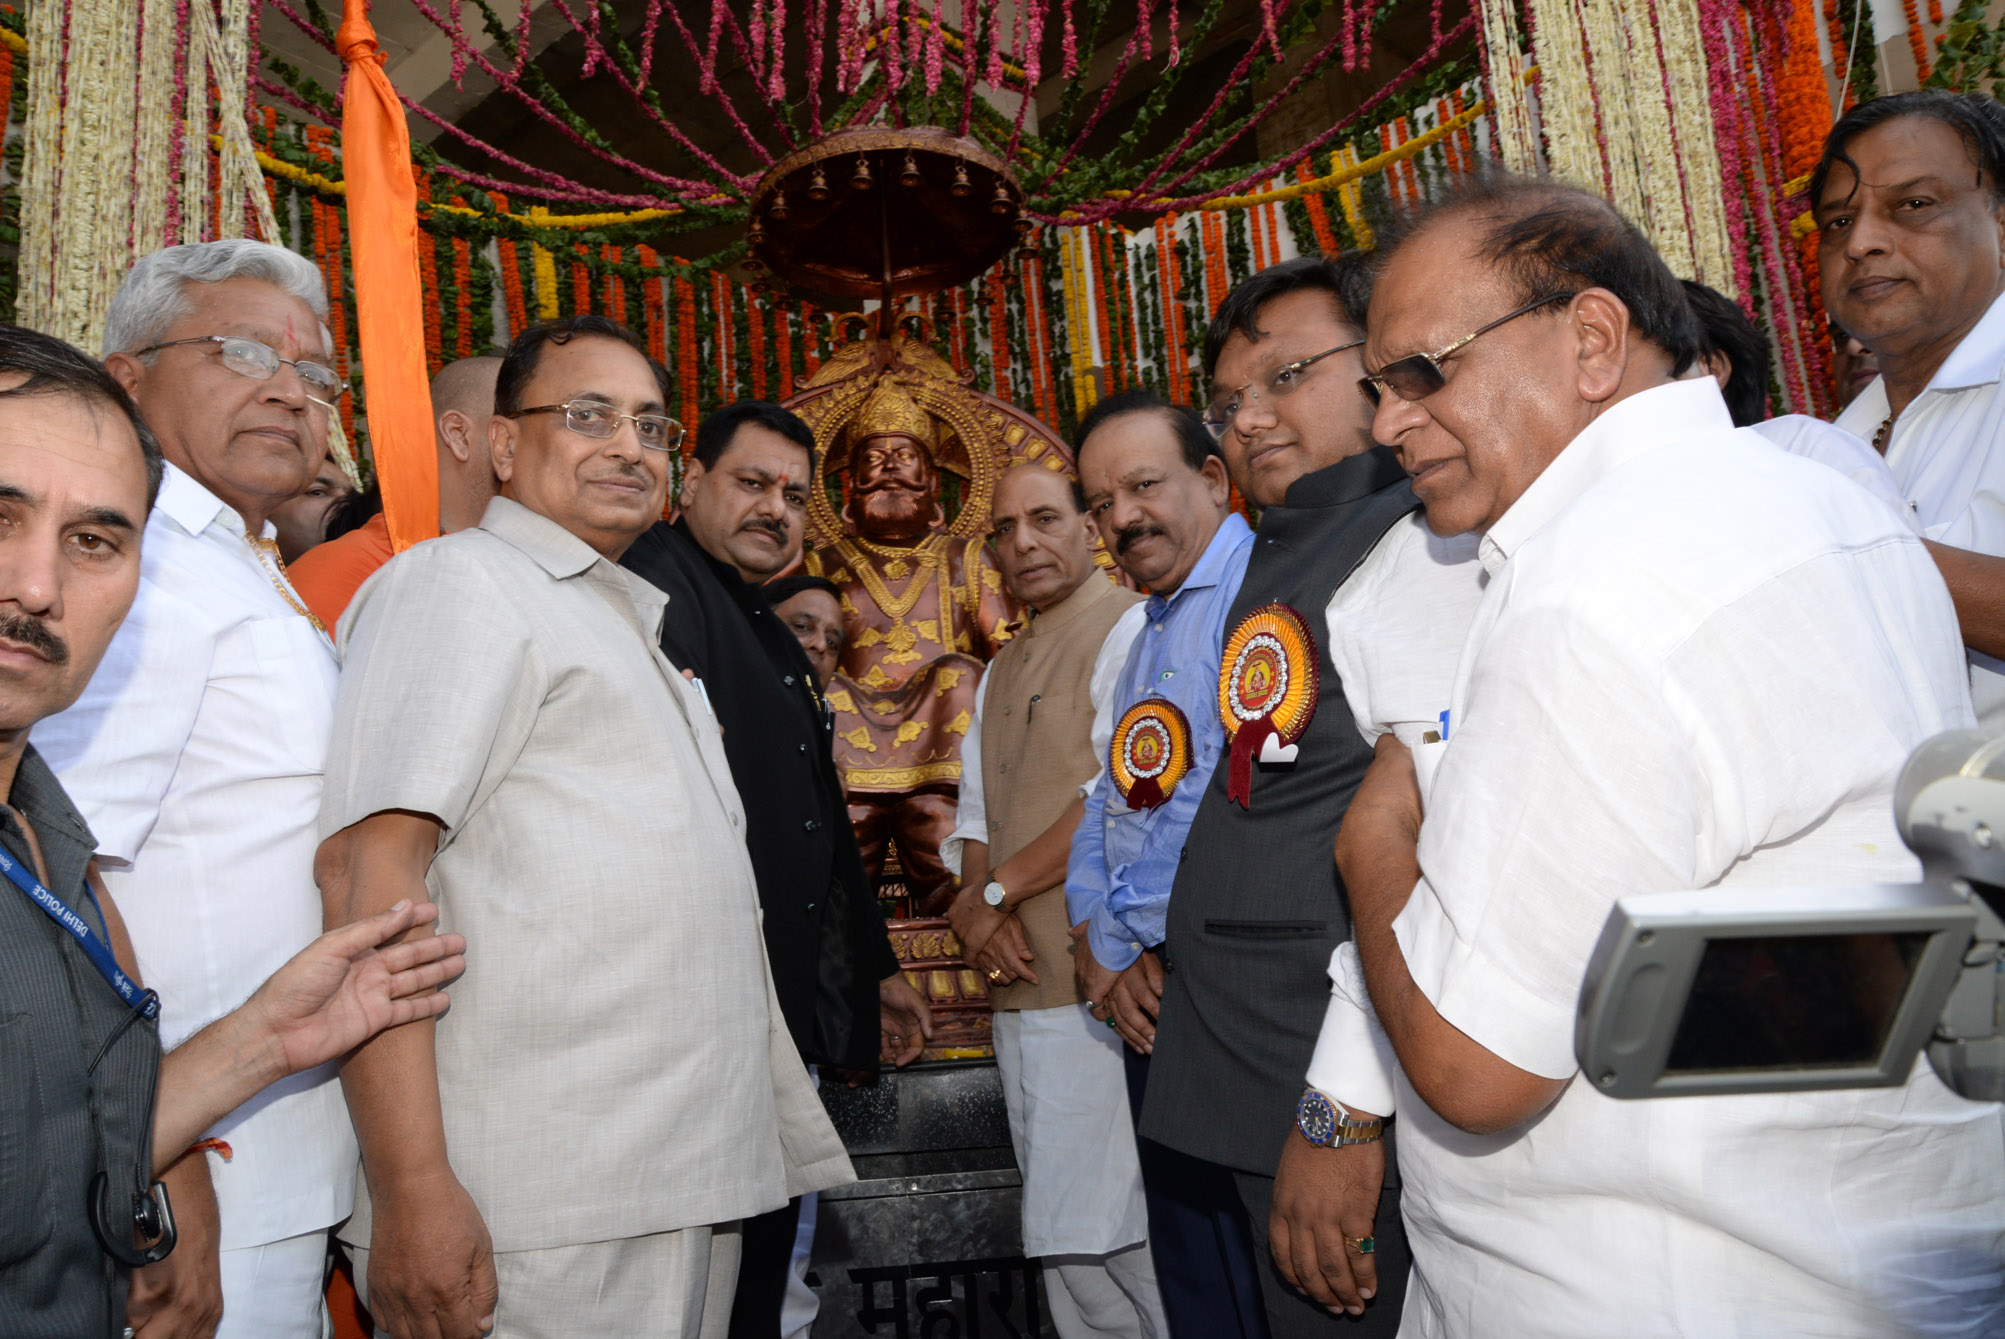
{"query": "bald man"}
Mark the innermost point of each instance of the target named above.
(328, 575)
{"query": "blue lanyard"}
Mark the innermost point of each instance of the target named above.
(94, 947)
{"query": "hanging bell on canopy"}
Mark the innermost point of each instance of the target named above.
(860, 180)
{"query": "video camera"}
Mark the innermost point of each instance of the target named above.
(1759, 990)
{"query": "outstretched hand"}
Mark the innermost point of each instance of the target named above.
(345, 987)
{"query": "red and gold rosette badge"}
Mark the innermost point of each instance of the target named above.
(1266, 690)
(1150, 752)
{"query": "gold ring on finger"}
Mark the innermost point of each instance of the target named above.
(995, 974)
(1362, 1245)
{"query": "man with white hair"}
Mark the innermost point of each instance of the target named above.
(196, 752)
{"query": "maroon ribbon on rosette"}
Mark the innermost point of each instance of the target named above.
(1145, 794)
(1245, 748)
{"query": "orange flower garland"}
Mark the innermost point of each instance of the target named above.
(1176, 347)
(810, 338)
(428, 272)
(653, 316)
(1841, 54)
(616, 286)
(1917, 43)
(1109, 346)
(1212, 231)
(720, 301)
(581, 283)
(1319, 211)
(463, 299)
(755, 332)
(999, 329)
(1046, 363)
(685, 353)
(1273, 213)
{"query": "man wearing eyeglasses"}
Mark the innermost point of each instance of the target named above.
(196, 752)
(1694, 665)
(1258, 908)
(510, 736)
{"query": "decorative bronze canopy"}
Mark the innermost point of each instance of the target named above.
(880, 212)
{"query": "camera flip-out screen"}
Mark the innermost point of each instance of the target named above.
(1736, 990)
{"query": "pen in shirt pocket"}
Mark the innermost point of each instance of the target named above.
(703, 693)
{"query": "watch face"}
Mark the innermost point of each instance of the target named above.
(1316, 1119)
(993, 894)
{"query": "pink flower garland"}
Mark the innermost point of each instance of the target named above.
(1731, 131)
(936, 50)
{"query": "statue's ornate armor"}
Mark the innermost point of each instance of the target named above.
(926, 610)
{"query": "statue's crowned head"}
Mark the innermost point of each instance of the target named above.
(893, 481)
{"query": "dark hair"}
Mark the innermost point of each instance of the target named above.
(1347, 279)
(354, 511)
(525, 353)
(56, 368)
(1551, 238)
(781, 589)
(716, 432)
(1726, 332)
(1976, 117)
(1197, 444)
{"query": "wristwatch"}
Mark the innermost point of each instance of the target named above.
(1324, 1122)
(993, 894)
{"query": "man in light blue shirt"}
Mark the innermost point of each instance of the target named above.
(1157, 489)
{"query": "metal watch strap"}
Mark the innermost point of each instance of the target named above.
(1325, 1122)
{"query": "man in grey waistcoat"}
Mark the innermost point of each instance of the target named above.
(1258, 907)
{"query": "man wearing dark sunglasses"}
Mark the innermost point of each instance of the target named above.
(1695, 665)
(1257, 908)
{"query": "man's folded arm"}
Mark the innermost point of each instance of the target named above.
(1354, 1060)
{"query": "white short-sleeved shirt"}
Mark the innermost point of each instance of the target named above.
(613, 1064)
(1396, 630)
(971, 817)
(1947, 454)
(195, 754)
(1828, 444)
(1696, 665)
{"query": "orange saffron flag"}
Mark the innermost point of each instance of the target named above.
(389, 295)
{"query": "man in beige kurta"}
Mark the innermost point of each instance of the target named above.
(614, 1088)
(1034, 747)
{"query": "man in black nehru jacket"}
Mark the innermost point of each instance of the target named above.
(744, 503)
(1258, 908)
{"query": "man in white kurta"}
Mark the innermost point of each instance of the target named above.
(614, 1087)
(1694, 664)
(196, 752)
